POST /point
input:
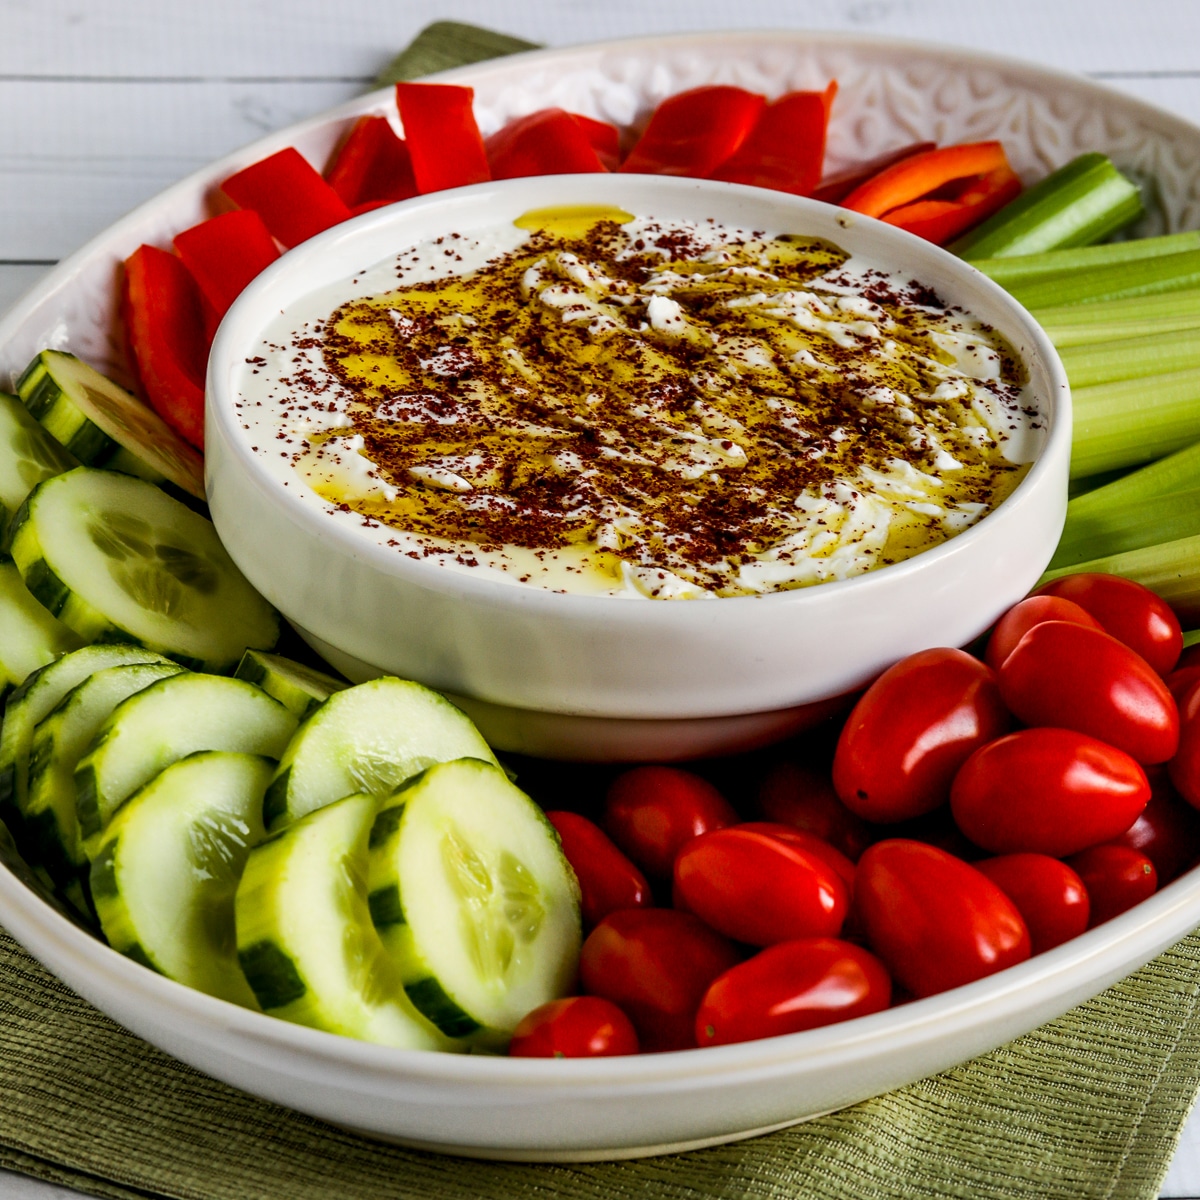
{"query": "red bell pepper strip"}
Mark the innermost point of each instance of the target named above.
(941, 221)
(921, 174)
(547, 142)
(224, 253)
(372, 166)
(694, 132)
(605, 139)
(835, 188)
(293, 200)
(443, 139)
(165, 328)
(786, 148)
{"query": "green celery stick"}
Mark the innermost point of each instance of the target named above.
(1171, 569)
(1023, 268)
(1079, 204)
(1142, 277)
(1131, 357)
(1090, 483)
(1115, 529)
(1178, 472)
(1190, 637)
(1133, 421)
(1135, 316)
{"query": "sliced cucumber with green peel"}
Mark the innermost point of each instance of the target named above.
(59, 741)
(118, 560)
(473, 899)
(30, 636)
(34, 700)
(369, 738)
(102, 424)
(298, 688)
(165, 874)
(28, 454)
(166, 722)
(305, 939)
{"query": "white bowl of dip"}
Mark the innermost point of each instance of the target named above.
(617, 675)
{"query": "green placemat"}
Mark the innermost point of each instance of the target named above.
(1090, 1105)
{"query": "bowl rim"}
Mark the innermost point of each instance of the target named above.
(243, 326)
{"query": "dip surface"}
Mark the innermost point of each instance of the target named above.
(589, 402)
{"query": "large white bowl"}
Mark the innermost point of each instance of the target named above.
(891, 93)
(502, 647)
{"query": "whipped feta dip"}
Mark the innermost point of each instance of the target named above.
(639, 407)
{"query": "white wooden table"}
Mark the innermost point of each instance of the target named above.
(103, 103)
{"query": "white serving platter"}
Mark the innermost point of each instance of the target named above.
(890, 93)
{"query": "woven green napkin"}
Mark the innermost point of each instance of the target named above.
(1090, 1105)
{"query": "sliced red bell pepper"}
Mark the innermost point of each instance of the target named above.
(920, 174)
(786, 148)
(372, 166)
(442, 136)
(224, 253)
(835, 188)
(165, 329)
(694, 132)
(293, 200)
(941, 221)
(604, 138)
(547, 142)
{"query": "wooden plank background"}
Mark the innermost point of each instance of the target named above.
(103, 103)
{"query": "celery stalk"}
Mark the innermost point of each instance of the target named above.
(1131, 357)
(1090, 483)
(1133, 421)
(1178, 472)
(1117, 529)
(1023, 268)
(1080, 203)
(1190, 637)
(1135, 316)
(1172, 569)
(1142, 277)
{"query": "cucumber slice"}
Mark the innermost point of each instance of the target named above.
(104, 425)
(33, 701)
(12, 859)
(165, 874)
(118, 560)
(298, 688)
(473, 899)
(368, 738)
(30, 637)
(28, 454)
(305, 939)
(167, 722)
(59, 741)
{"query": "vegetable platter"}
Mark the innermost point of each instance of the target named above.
(889, 94)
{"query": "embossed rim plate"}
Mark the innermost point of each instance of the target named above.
(891, 92)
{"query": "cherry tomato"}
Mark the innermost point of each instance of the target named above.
(1049, 896)
(578, 1027)
(935, 920)
(607, 879)
(1076, 678)
(1190, 657)
(1116, 877)
(1184, 768)
(832, 856)
(938, 829)
(1021, 618)
(804, 797)
(655, 964)
(789, 987)
(911, 731)
(1179, 682)
(1168, 830)
(651, 811)
(759, 889)
(1129, 612)
(1047, 791)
